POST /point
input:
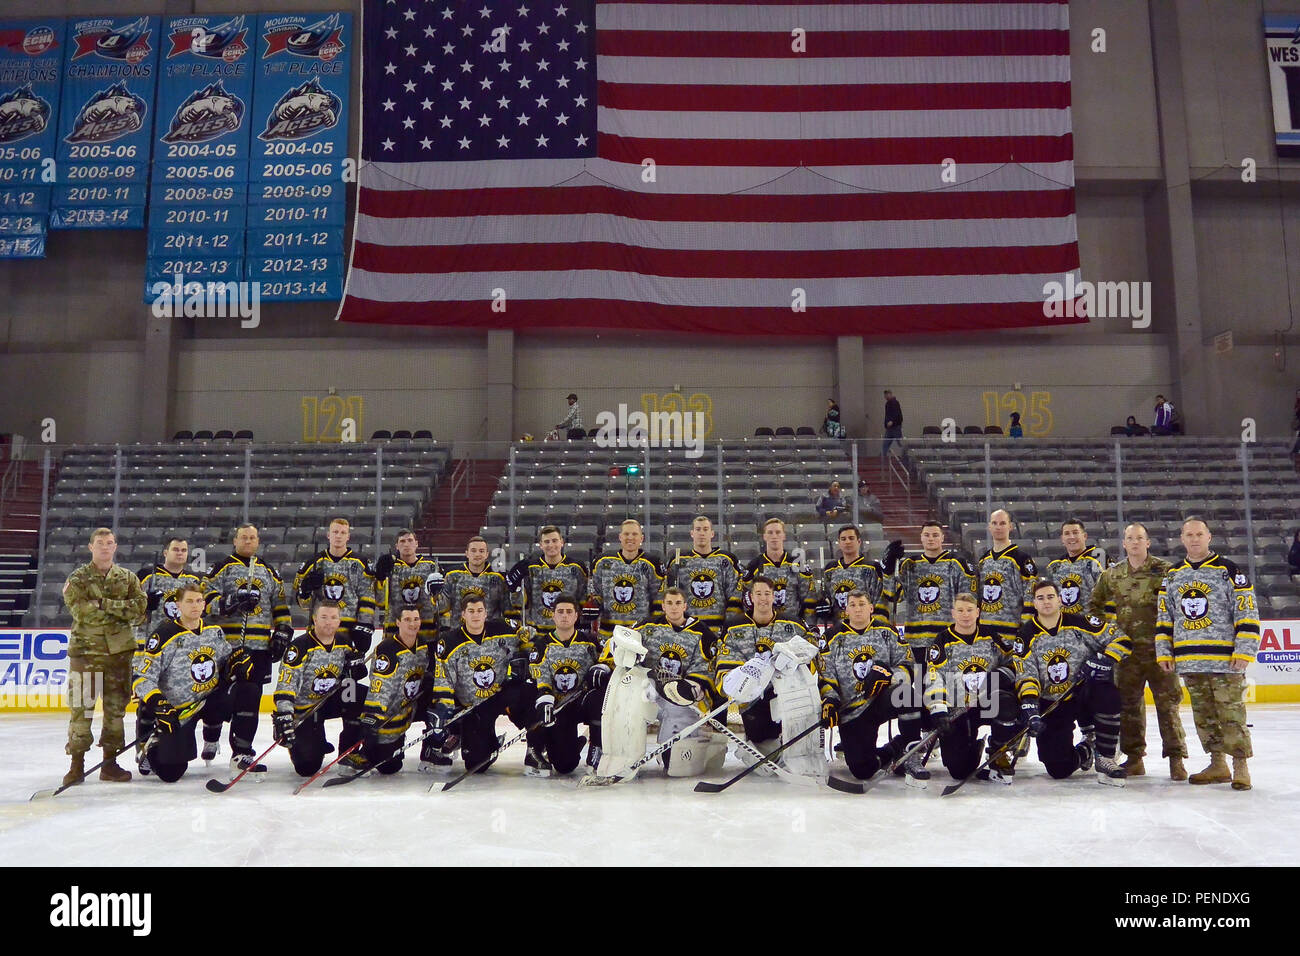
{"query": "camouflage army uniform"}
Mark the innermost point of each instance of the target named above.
(1128, 598)
(105, 609)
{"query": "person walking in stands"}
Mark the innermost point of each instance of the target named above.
(832, 427)
(1164, 417)
(573, 420)
(1015, 431)
(893, 425)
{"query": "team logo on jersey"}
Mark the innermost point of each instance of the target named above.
(928, 590)
(975, 677)
(334, 587)
(671, 659)
(384, 665)
(485, 676)
(206, 114)
(1071, 590)
(153, 643)
(203, 669)
(301, 112)
(1240, 580)
(991, 591)
(566, 678)
(1194, 600)
(1058, 669)
(862, 661)
(169, 606)
(624, 590)
(324, 680)
(224, 41)
(110, 114)
(703, 584)
(411, 686)
(551, 591)
(291, 655)
(22, 114)
(129, 42)
(412, 590)
(472, 593)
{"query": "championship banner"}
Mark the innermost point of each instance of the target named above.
(201, 149)
(110, 77)
(1282, 56)
(294, 242)
(31, 52)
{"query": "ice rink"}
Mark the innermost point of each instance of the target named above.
(504, 818)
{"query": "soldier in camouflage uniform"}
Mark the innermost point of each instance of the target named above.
(1125, 595)
(1208, 630)
(106, 603)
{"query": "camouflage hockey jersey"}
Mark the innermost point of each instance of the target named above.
(839, 580)
(180, 665)
(921, 596)
(461, 584)
(1047, 661)
(1076, 578)
(1207, 617)
(252, 573)
(711, 582)
(560, 670)
(966, 671)
(105, 609)
(793, 600)
(1006, 578)
(473, 667)
(311, 671)
(672, 651)
(408, 585)
(848, 654)
(398, 674)
(348, 583)
(1128, 597)
(749, 639)
(628, 590)
(158, 580)
(544, 585)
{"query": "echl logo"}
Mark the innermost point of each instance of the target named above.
(323, 39)
(224, 41)
(302, 112)
(206, 114)
(129, 42)
(108, 115)
(38, 41)
(22, 114)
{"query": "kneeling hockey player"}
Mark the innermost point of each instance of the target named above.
(565, 695)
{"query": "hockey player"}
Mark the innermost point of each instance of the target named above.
(626, 583)
(247, 598)
(1207, 632)
(1076, 572)
(547, 577)
(485, 662)
(793, 584)
(1005, 574)
(314, 667)
(709, 576)
(863, 660)
(969, 682)
(1052, 650)
(184, 666)
(772, 708)
(408, 579)
(562, 673)
(400, 678)
(340, 576)
(853, 572)
(472, 579)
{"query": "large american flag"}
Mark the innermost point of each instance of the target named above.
(754, 168)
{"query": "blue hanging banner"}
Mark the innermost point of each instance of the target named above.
(110, 80)
(300, 107)
(31, 52)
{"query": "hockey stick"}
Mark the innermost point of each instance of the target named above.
(1011, 744)
(835, 783)
(704, 787)
(482, 764)
(595, 781)
(925, 744)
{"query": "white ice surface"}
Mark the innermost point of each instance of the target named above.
(504, 818)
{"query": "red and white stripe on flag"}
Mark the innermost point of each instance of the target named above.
(751, 168)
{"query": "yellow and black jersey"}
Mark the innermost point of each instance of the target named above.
(628, 589)
(472, 667)
(311, 671)
(1047, 661)
(162, 588)
(398, 677)
(347, 582)
(793, 586)
(179, 664)
(960, 668)
(1206, 616)
(922, 593)
(235, 574)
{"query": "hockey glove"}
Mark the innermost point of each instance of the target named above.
(1100, 668)
(892, 553)
(240, 665)
(165, 717)
(311, 582)
(518, 669)
(877, 680)
(433, 585)
(546, 710)
(361, 634)
(682, 691)
(383, 567)
(368, 724)
(830, 713)
(823, 609)
(515, 576)
(280, 638)
(598, 676)
(237, 602)
(1029, 714)
(589, 618)
(942, 720)
(153, 599)
(355, 666)
(437, 715)
(284, 730)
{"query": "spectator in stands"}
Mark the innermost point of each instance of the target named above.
(893, 425)
(867, 502)
(1293, 559)
(831, 504)
(832, 427)
(1164, 417)
(1131, 427)
(1014, 430)
(573, 420)
(1295, 449)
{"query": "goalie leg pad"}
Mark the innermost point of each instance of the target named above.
(798, 706)
(696, 755)
(628, 707)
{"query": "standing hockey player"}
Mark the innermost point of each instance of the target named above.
(340, 576)
(408, 579)
(562, 673)
(472, 579)
(547, 577)
(1052, 651)
(854, 572)
(400, 678)
(1076, 572)
(184, 666)
(247, 599)
(314, 668)
(485, 662)
(864, 658)
(709, 576)
(793, 583)
(1208, 633)
(626, 583)
(1126, 596)
(1005, 574)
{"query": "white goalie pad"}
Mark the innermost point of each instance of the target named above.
(627, 647)
(791, 653)
(631, 702)
(798, 706)
(697, 755)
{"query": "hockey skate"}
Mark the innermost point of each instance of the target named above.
(536, 764)
(142, 762)
(432, 759)
(1001, 769)
(211, 748)
(1109, 772)
(914, 773)
(244, 762)
(1084, 749)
